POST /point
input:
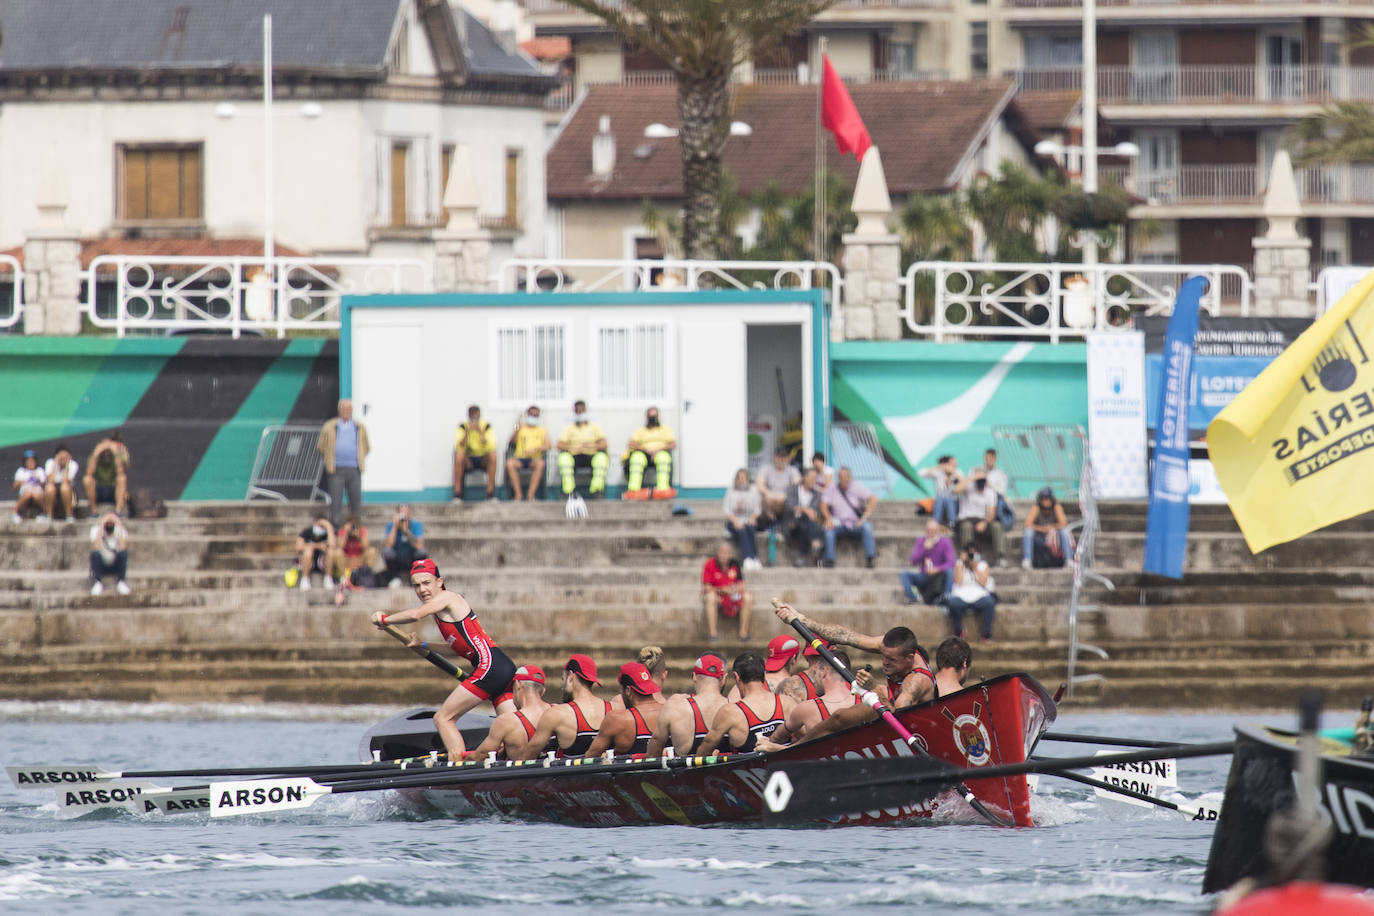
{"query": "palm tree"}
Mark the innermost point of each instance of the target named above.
(702, 41)
(1340, 133)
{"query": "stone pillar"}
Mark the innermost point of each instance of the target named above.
(872, 261)
(462, 249)
(52, 263)
(1282, 257)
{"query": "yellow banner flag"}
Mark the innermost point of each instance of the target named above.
(1295, 450)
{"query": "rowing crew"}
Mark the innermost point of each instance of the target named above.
(641, 721)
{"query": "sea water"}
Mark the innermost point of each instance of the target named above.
(370, 853)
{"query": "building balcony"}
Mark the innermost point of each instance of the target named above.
(1144, 11)
(1242, 185)
(1313, 84)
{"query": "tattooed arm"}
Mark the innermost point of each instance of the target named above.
(831, 632)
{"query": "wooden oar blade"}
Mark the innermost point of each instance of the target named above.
(258, 796)
(807, 790)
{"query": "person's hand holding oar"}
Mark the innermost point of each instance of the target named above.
(419, 647)
(869, 698)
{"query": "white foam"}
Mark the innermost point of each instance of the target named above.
(712, 864)
(25, 885)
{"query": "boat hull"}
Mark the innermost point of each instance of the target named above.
(996, 722)
(1261, 783)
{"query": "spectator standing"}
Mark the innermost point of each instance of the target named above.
(652, 443)
(978, 516)
(314, 546)
(773, 482)
(973, 591)
(802, 515)
(932, 559)
(343, 445)
(28, 487)
(743, 506)
(403, 544)
(109, 554)
(107, 475)
(60, 471)
(1045, 543)
(723, 591)
(825, 474)
(528, 446)
(946, 478)
(474, 449)
(847, 511)
(582, 444)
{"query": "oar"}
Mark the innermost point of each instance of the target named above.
(1192, 812)
(424, 651)
(256, 796)
(821, 788)
(56, 777)
(869, 698)
(1106, 740)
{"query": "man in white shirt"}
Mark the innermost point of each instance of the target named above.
(978, 515)
(61, 470)
(972, 592)
(28, 487)
(997, 478)
(773, 482)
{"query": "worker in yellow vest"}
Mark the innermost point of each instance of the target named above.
(582, 443)
(652, 443)
(474, 449)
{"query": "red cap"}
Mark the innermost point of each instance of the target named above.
(780, 651)
(425, 566)
(709, 665)
(812, 650)
(637, 678)
(583, 667)
(532, 673)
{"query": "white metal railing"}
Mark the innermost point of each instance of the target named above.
(1334, 282)
(533, 275)
(165, 293)
(1199, 182)
(1082, 568)
(1212, 84)
(1331, 184)
(978, 299)
(12, 311)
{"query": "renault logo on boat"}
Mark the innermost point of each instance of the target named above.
(971, 736)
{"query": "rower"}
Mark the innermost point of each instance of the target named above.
(684, 717)
(952, 660)
(511, 731)
(804, 717)
(656, 660)
(786, 668)
(758, 713)
(573, 724)
(493, 671)
(629, 730)
(909, 678)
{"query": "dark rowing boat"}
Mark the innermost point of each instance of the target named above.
(1261, 782)
(998, 721)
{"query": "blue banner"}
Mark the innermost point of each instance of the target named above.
(1166, 529)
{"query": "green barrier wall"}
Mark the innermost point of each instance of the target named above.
(927, 399)
(191, 410)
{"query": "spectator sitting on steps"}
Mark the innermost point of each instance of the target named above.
(973, 591)
(107, 475)
(743, 506)
(314, 546)
(847, 511)
(802, 519)
(773, 482)
(528, 445)
(652, 443)
(352, 553)
(28, 487)
(722, 589)
(109, 554)
(474, 449)
(825, 474)
(946, 478)
(997, 478)
(1045, 543)
(582, 444)
(932, 558)
(978, 516)
(60, 471)
(404, 543)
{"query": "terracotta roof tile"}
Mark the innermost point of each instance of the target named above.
(924, 129)
(1047, 110)
(548, 47)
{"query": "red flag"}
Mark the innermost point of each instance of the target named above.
(839, 116)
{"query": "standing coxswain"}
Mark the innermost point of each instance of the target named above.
(493, 673)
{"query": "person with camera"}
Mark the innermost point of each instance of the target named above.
(946, 478)
(109, 554)
(403, 544)
(978, 516)
(107, 475)
(973, 591)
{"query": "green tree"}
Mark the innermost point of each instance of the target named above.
(702, 41)
(1337, 135)
(786, 221)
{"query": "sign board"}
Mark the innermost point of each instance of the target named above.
(1116, 413)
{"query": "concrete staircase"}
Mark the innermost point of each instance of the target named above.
(210, 618)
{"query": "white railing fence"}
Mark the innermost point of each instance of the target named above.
(12, 300)
(976, 299)
(533, 275)
(237, 295)
(1212, 83)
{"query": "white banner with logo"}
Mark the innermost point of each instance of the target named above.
(1116, 413)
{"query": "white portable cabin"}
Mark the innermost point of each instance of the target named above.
(714, 363)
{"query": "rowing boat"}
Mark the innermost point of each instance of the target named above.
(1261, 782)
(996, 722)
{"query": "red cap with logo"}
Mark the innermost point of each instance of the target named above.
(637, 678)
(583, 667)
(780, 651)
(709, 665)
(532, 673)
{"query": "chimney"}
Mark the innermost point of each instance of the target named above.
(603, 149)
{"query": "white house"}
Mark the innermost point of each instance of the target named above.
(150, 113)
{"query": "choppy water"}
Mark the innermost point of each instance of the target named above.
(367, 854)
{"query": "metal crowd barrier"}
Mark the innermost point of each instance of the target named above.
(1052, 454)
(855, 446)
(287, 458)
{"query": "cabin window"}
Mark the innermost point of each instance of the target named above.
(160, 182)
(531, 363)
(632, 362)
